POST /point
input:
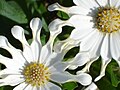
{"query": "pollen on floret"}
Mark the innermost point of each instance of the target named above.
(108, 19)
(36, 74)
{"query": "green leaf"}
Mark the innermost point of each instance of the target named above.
(2, 88)
(69, 86)
(115, 80)
(62, 15)
(12, 11)
(105, 84)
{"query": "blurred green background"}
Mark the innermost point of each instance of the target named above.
(20, 12)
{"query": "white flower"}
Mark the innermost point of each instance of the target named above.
(97, 26)
(36, 66)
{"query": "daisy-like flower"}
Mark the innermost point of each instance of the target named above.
(37, 66)
(97, 26)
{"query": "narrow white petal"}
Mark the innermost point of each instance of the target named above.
(84, 79)
(113, 3)
(55, 29)
(80, 34)
(117, 4)
(77, 10)
(21, 86)
(103, 67)
(102, 2)
(114, 45)
(29, 87)
(46, 51)
(16, 53)
(87, 66)
(73, 67)
(105, 48)
(12, 80)
(92, 43)
(89, 4)
(18, 33)
(42, 88)
(36, 26)
(56, 25)
(28, 54)
(9, 63)
(70, 10)
(81, 22)
(35, 88)
(61, 77)
(54, 58)
(57, 6)
(52, 86)
(9, 72)
(58, 67)
(92, 86)
(80, 59)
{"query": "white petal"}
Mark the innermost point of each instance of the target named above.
(57, 6)
(87, 66)
(92, 43)
(56, 25)
(73, 67)
(117, 4)
(29, 87)
(36, 26)
(9, 63)
(55, 29)
(12, 80)
(9, 72)
(35, 88)
(113, 3)
(16, 53)
(46, 51)
(103, 67)
(61, 77)
(89, 4)
(42, 88)
(78, 20)
(80, 59)
(51, 86)
(28, 54)
(84, 79)
(114, 45)
(69, 10)
(36, 48)
(102, 2)
(92, 86)
(18, 33)
(105, 48)
(58, 67)
(21, 86)
(77, 10)
(65, 45)
(79, 34)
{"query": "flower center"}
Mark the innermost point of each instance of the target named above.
(36, 74)
(108, 20)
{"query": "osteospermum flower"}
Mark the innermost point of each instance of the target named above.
(97, 26)
(37, 66)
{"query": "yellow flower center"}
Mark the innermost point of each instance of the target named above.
(36, 74)
(108, 20)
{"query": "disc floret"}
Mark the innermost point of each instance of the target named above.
(36, 74)
(108, 19)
